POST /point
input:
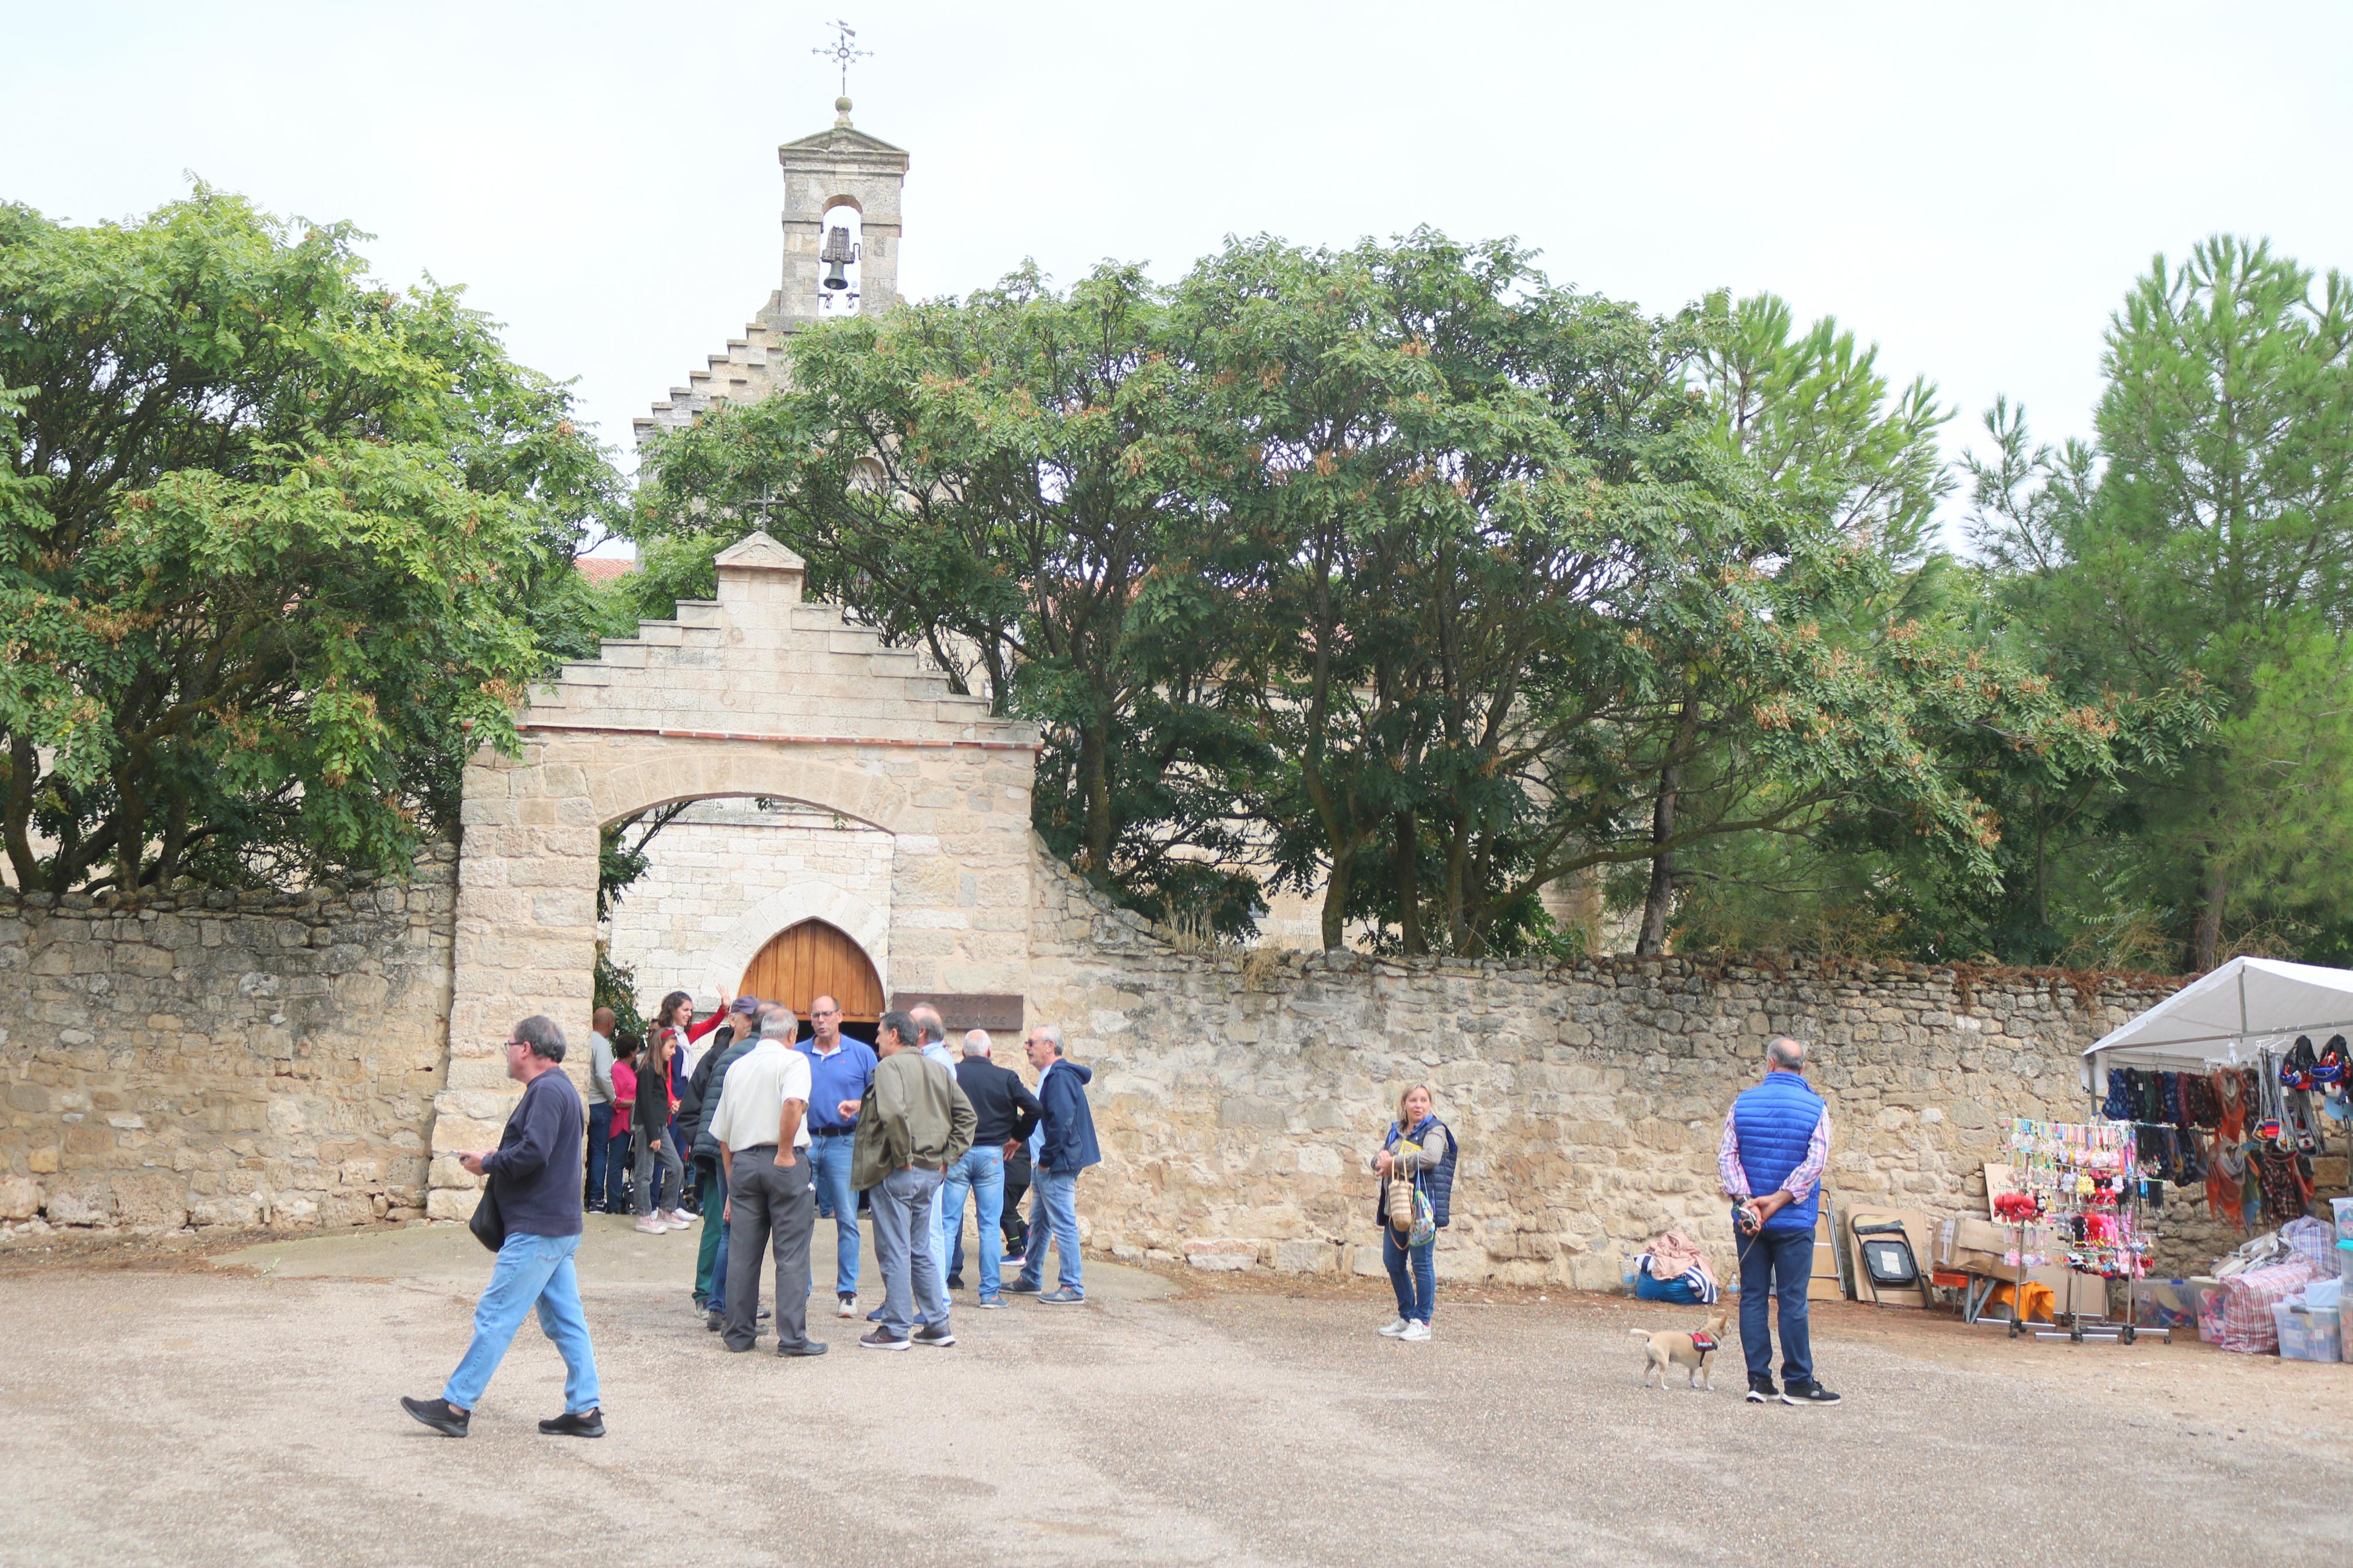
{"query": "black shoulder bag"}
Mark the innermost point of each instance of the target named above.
(489, 1225)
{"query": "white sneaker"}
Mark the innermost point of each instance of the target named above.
(650, 1225)
(1396, 1326)
(1415, 1333)
(845, 1306)
(681, 1220)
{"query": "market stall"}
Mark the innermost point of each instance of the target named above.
(2235, 1082)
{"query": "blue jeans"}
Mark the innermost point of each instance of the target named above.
(829, 1172)
(981, 1172)
(904, 1202)
(600, 1135)
(616, 1174)
(1053, 1206)
(1779, 1264)
(1413, 1275)
(531, 1270)
(717, 1301)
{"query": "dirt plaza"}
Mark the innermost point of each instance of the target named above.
(202, 1407)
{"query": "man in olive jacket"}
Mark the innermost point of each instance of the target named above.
(913, 1123)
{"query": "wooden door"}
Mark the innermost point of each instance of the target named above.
(814, 959)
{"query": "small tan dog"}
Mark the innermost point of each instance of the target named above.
(1697, 1352)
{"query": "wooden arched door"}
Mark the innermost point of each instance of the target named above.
(814, 959)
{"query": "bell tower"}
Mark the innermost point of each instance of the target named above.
(840, 179)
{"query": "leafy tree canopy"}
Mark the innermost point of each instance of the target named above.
(278, 548)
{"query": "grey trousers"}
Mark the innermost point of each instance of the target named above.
(768, 1205)
(651, 1147)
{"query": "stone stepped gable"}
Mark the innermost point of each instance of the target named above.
(753, 367)
(810, 675)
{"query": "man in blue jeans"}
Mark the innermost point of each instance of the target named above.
(1777, 1139)
(1004, 1111)
(1064, 1146)
(840, 1071)
(535, 1174)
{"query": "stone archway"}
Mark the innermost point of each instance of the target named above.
(756, 693)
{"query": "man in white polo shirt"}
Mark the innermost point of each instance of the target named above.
(762, 1129)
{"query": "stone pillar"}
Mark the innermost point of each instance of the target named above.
(526, 943)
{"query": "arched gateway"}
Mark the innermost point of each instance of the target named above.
(756, 693)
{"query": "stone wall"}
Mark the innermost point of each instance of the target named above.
(257, 1059)
(1238, 1096)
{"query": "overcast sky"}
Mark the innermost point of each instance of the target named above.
(1972, 187)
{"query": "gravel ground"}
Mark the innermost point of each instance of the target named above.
(169, 1411)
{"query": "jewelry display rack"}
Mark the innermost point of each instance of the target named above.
(2085, 1182)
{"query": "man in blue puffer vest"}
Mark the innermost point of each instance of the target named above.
(1777, 1139)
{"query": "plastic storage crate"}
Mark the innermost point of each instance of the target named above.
(2306, 1333)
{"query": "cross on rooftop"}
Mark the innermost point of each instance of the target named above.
(842, 52)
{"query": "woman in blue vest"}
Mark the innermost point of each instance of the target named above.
(1416, 1155)
(1775, 1140)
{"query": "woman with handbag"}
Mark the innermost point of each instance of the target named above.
(1416, 1165)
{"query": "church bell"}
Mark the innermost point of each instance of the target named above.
(836, 253)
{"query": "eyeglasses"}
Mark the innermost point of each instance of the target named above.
(825, 1013)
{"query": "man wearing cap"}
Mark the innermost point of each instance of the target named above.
(841, 1072)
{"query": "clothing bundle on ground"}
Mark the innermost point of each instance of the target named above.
(1675, 1270)
(2279, 1292)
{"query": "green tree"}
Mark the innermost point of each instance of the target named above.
(1012, 484)
(278, 548)
(2213, 551)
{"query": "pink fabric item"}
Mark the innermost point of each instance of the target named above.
(1675, 1253)
(2247, 1302)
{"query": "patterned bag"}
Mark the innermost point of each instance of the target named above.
(1425, 1218)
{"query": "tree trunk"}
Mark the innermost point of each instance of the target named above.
(1408, 883)
(2209, 940)
(1095, 769)
(1661, 901)
(1335, 897)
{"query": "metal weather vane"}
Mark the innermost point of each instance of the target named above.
(842, 51)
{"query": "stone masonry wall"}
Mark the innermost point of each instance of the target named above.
(262, 1060)
(1238, 1096)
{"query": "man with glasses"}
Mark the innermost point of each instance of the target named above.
(535, 1174)
(841, 1072)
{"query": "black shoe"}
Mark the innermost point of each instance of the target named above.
(806, 1347)
(439, 1414)
(762, 1315)
(587, 1424)
(1761, 1391)
(1021, 1288)
(955, 1282)
(880, 1340)
(712, 1321)
(932, 1334)
(1807, 1394)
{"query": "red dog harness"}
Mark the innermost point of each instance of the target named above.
(1704, 1344)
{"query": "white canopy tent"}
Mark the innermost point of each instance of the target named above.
(2223, 1018)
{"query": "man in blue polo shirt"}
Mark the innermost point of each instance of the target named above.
(840, 1070)
(1777, 1139)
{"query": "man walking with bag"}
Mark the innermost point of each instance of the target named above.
(533, 1179)
(1777, 1139)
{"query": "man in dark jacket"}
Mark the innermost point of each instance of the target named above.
(711, 1258)
(1004, 1112)
(1064, 1146)
(535, 1174)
